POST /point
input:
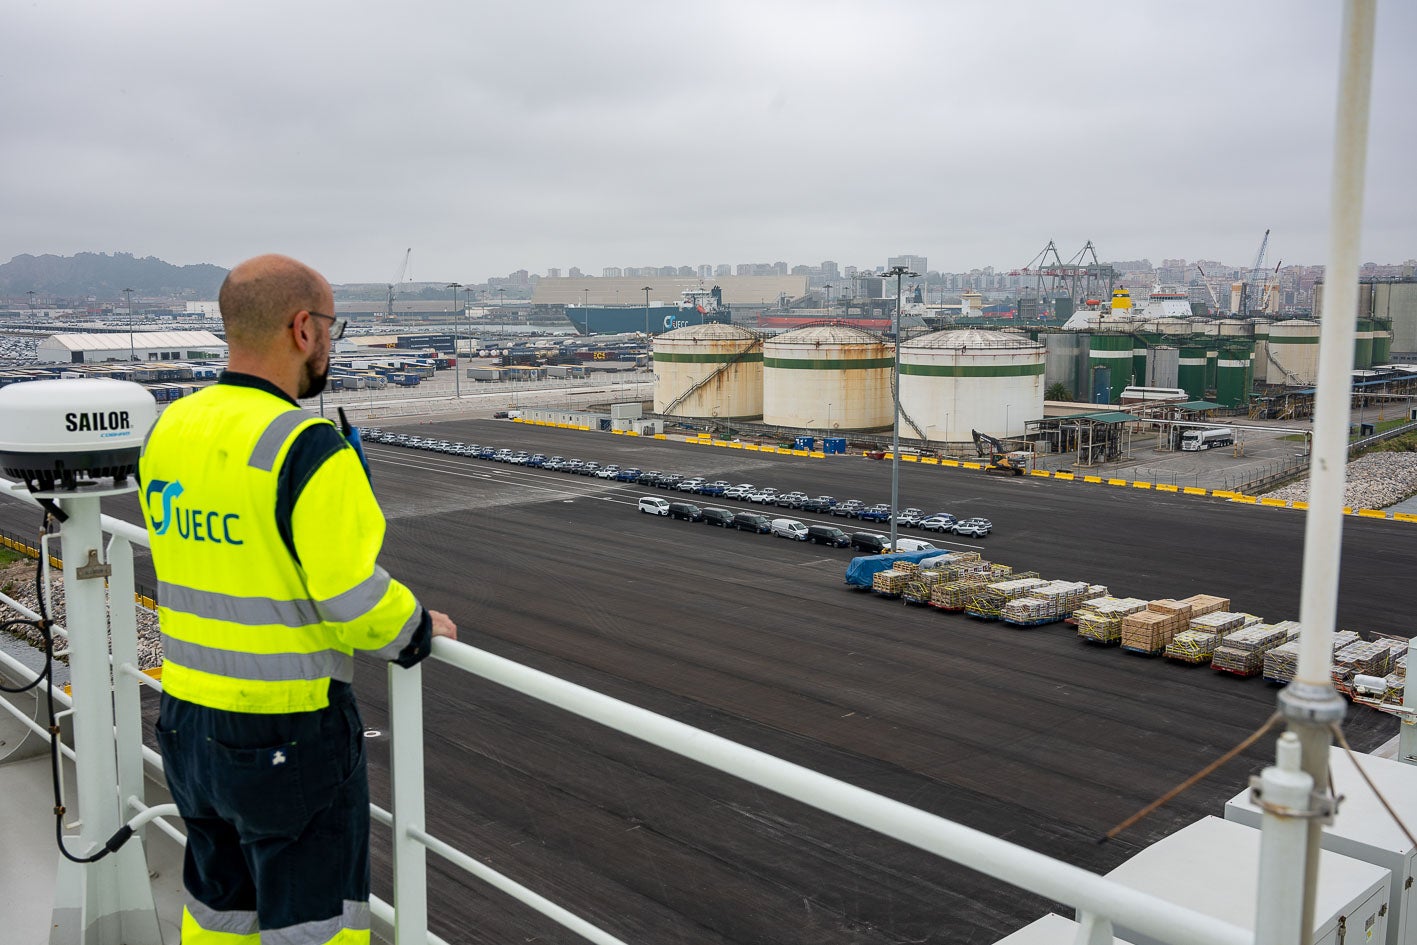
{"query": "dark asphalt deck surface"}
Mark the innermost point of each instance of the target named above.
(1030, 735)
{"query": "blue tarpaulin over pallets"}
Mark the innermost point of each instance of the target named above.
(861, 571)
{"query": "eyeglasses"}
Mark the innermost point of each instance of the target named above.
(337, 325)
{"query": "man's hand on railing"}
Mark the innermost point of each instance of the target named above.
(443, 625)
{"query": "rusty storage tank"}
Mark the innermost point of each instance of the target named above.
(827, 377)
(711, 370)
(952, 382)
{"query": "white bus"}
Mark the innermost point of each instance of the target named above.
(1209, 438)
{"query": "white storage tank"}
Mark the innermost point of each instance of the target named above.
(711, 370)
(829, 377)
(1293, 353)
(952, 382)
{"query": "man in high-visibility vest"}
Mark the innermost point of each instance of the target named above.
(265, 534)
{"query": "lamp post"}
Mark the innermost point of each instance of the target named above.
(132, 352)
(646, 292)
(900, 272)
(457, 367)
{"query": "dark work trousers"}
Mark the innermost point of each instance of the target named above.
(277, 815)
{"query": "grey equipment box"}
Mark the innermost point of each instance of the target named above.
(1052, 929)
(1364, 831)
(1213, 867)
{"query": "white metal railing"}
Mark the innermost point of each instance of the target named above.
(1099, 902)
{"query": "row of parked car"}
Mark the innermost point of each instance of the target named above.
(868, 542)
(941, 522)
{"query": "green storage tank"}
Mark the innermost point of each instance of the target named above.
(1139, 347)
(1190, 372)
(1211, 357)
(1113, 352)
(1363, 345)
(1382, 342)
(1235, 375)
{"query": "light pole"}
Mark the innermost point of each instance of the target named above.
(646, 292)
(457, 366)
(900, 272)
(132, 352)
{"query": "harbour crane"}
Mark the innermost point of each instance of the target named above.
(1252, 292)
(398, 280)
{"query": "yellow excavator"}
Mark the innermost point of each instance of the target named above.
(1001, 460)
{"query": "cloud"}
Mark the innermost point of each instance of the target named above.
(495, 137)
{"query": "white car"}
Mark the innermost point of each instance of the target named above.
(789, 528)
(739, 492)
(913, 544)
(763, 496)
(654, 505)
(607, 472)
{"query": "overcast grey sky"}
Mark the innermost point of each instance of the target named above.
(495, 136)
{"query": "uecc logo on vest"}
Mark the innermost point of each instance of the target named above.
(192, 524)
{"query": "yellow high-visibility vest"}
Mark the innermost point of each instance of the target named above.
(246, 627)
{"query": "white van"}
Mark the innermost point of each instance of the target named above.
(654, 505)
(789, 528)
(913, 544)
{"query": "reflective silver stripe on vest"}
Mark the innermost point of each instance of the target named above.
(267, 667)
(274, 436)
(394, 647)
(247, 611)
(358, 600)
(230, 921)
(355, 917)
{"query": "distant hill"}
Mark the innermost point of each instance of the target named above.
(105, 277)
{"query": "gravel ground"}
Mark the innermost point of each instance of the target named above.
(1375, 481)
(17, 581)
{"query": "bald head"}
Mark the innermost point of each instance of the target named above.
(260, 296)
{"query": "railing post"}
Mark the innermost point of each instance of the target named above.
(1093, 929)
(406, 788)
(127, 703)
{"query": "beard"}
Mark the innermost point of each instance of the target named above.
(312, 380)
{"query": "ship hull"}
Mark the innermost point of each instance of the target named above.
(622, 319)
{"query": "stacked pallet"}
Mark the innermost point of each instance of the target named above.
(1101, 619)
(954, 595)
(918, 589)
(1148, 631)
(1281, 664)
(1242, 652)
(987, 601)
(1049, 603)
(1366, 658)
(1221, 622)
(889, 583)
(1202, 604)
(1194, 646)
(1291, 630)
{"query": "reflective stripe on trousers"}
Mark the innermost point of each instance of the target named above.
(221, 928)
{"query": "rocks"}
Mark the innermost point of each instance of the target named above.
(18, 578)
(1375, 481)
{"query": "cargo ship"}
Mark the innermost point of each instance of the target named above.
(695, 307)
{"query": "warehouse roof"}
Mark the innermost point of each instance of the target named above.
(111, 341)
(1103, 416)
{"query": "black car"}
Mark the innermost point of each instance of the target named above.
(849, 507)
(822, 503)
(650, 478)
(720, 517)
(870, 543)
(687, 511)
(827, 535)
(753, 522)
(669, 481)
